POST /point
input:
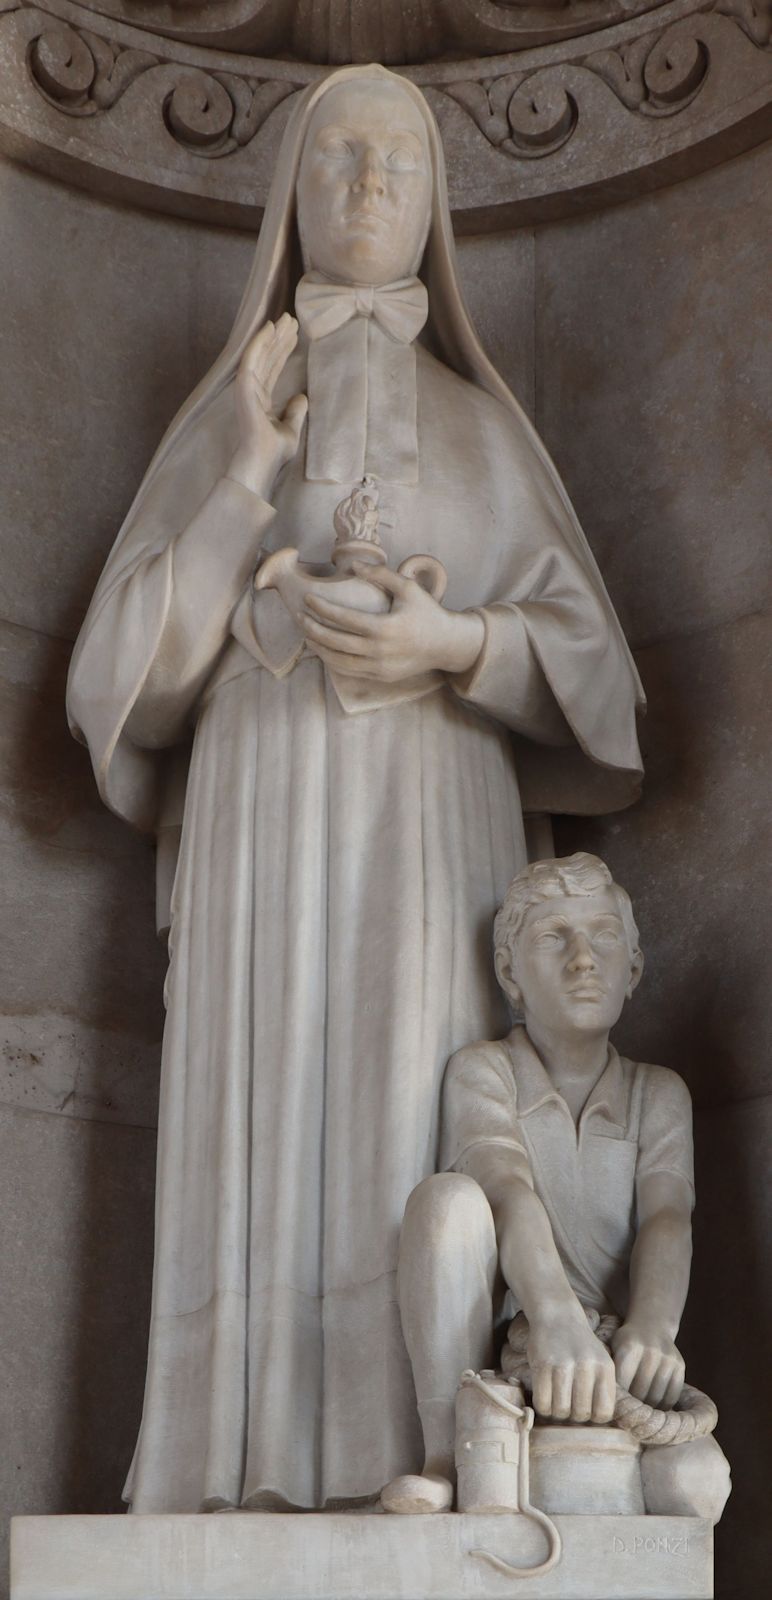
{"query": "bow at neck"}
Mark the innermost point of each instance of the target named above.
(400, 308)
(362, 407)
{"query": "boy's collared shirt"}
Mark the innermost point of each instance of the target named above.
(636, 1121)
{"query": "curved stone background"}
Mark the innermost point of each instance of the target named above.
(396, 32)
(632, 336)
(529, 135)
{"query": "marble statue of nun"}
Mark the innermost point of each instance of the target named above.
(353, 810)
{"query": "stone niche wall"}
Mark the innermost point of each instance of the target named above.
(652, 394)
(631, 337)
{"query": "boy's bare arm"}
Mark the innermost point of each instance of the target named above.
(647, 1361)
(573, 1376)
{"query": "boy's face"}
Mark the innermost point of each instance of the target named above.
(572, 965)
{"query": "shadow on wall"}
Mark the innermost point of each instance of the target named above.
(652, 393)
(726, 1332)
(653, 397)
(693, 857)
(87, 1199)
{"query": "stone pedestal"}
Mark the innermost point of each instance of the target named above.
(267, 1556)
(586, 1470)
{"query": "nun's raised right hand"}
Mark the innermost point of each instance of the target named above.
(268, 441)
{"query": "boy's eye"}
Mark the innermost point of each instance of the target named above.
(546, 939)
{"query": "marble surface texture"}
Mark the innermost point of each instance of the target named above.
(354, 806)
(340, 1557)
(118, 102)
(650, 395)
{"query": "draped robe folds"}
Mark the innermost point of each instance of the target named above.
(330, 938)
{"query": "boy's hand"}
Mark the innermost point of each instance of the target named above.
(648, 1365)
(572, 1374)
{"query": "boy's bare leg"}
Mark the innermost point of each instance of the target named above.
(447, 1270)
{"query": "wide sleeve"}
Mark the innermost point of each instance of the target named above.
(549, 643)
(555, 670)
(210, 565)
(554, 665)
(507, 681)
(150, 642)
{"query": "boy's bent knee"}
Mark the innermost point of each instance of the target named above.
(448, 1199)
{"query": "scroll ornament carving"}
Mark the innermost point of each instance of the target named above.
(216, 113)
(525, 114)
(661, 74)
(209, 113)
(80, 72)
(658, 75)
(529, 135)
(521, 114)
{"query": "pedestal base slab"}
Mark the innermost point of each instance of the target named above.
(334, 1556)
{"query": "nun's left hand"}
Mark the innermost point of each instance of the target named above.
(417, 635)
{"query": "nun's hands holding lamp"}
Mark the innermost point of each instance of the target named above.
(416, 635)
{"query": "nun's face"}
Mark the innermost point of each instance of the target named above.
(365, 185)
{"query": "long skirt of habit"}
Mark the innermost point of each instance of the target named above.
(330, 948)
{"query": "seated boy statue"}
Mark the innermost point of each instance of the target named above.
(567, 1188)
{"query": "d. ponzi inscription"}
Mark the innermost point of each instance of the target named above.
(666, 1544)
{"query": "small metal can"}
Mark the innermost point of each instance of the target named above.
(488, 1443)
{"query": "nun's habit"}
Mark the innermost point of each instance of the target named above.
(340, 862)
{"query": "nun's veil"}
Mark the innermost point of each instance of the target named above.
(196, 447)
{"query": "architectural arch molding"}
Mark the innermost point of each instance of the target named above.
(530, 134)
